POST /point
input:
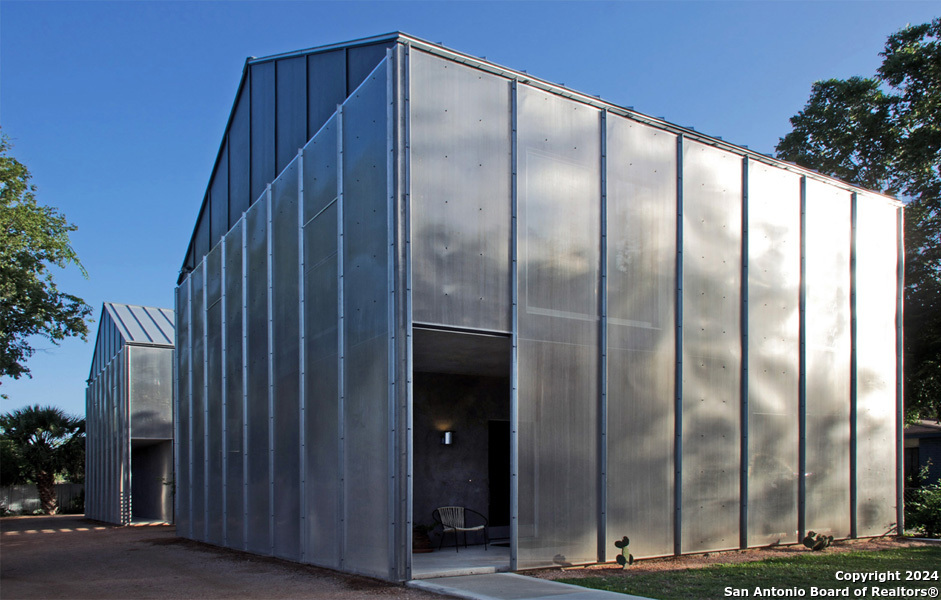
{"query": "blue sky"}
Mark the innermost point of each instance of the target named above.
(118, 108)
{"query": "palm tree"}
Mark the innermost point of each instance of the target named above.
(49, 443)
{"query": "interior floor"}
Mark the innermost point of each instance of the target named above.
(473, 560)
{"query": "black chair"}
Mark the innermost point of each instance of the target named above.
(452, 520)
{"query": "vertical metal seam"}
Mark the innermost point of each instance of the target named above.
(127, 433)
(205, 398)
(270, 323)
(301, 354)
(678, 349)
(802, 369)
(189, 335)
(341, 349)
(514, 328)
(900, 373)
(251, 197)
(174, 414)
(274, 132)
(245, 380)
(224, 397)
(126, 445)
(405, 84)
(743, 475)
(603, 344)
(391, 412)
(854, 498)
(228, 177)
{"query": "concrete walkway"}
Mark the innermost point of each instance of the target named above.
(510, 586)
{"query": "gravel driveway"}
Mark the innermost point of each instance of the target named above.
(66, 556)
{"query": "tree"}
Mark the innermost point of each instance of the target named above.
(884, 133)
(49, 443)
(11, 467)
(33, 238)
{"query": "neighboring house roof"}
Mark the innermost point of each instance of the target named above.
(129, 325)
(924, 428)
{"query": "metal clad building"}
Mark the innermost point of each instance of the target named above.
(635, 329)
(129, 416)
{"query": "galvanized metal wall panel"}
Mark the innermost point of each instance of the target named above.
(258, 509)
(92, 470)
(234, 390)
(559, 253)
(182, 512)
(876, 289)
(320, 174)
(97, 446)
(773, 354)
(108, 419)
(123, 430)
(322, 419)
(291, 108)
(215, 489)
(262, 126)
(366, 330)
(460, 191)
(90, 453)
(285, 377)
(711, 421)
(326, 87)
(641, 280)
(827, 276)
(240, 167)
(322, 536)
(201, 236)
(198, 406)
(89, 449)
(360, 63)
(219, 198)
(151, 393)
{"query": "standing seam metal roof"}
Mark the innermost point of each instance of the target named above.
(142, 325)
(130, 325)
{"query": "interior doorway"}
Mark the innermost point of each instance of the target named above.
(461, 445)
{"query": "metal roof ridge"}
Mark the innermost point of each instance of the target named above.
(366, 41)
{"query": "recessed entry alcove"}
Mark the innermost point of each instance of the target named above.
(461, 384)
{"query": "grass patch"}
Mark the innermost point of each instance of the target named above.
(799, 572)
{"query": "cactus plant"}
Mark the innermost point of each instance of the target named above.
(624, 558)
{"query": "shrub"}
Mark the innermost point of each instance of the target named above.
(924, 511)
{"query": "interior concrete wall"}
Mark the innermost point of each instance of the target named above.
(455, 475)
(151, 468)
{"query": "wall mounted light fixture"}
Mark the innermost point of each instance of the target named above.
(447, 438)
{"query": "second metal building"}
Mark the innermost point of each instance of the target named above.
(679, 340)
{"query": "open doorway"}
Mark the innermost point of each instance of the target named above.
(151, 485)
(461, 385)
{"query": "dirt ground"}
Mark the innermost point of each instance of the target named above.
(66, 556)
(698, 561)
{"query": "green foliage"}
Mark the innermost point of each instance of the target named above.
(923, 512)
(49, 444)
(817, 541)
(33, 238)
(625, 558)
(11, 465)
(884, 133)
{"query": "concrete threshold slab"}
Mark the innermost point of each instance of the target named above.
(510, 586)
(459, 572)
